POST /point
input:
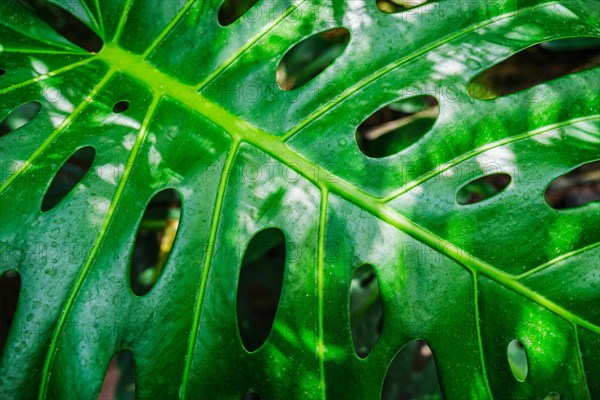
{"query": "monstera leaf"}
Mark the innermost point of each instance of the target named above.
(174, 99)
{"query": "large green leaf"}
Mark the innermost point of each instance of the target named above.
(208, 119)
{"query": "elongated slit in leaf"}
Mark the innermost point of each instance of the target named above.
(154, 241)
(121, 106)
(397, 126)
(10, 289)
(366, 310)
(232, 10)
(67, 25)
(482, 189)
(259, 287)
(517, 360)
(574, 189)
(309, 58)
(119, 380)
(19, 117)
(68, 176)
(412, 369)
(251, 396)
(535, 65)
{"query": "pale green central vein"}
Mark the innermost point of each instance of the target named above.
(206, 266)
(142, 133)
(276, 148)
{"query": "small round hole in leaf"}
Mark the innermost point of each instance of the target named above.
(577, 188)
(482, 189)
(309, 58)
(517, 360)
(397, 126)
(20, 117)
(121, 106)
(2, 71)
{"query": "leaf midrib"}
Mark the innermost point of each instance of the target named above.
(274, 146)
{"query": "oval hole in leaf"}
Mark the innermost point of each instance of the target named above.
(552, 396)
(396, 6)
(121, 106)
(412, 374)
(232, 10)
(259, 287)
(482, 189)
(154, 241)
(397, 126)
(251, 396)
(2, 71)
(307, 59)
(366, 310)
(68, 176)
(119, 381)
(517, 359)
(20, 117)
(576, 188)
(10, 288)
(67, 25)
(535, 65)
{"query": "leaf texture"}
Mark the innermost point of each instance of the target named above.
(208, 119)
